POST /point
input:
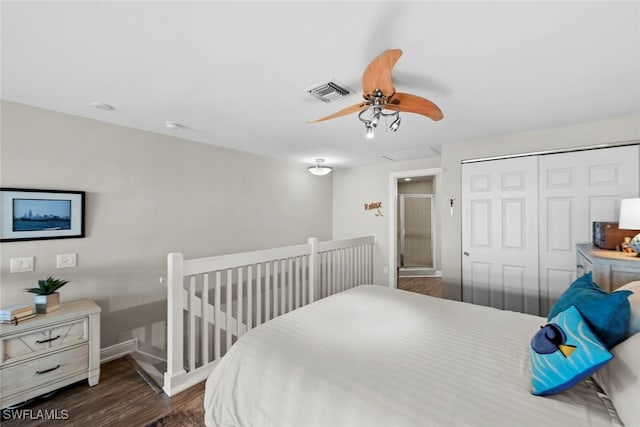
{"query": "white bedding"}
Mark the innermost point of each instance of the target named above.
(374, 356)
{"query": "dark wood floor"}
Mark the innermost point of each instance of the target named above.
(422, 285)
(121, 398)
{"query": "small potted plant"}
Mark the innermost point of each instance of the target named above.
(46, 297)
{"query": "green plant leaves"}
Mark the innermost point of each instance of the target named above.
(47, 286)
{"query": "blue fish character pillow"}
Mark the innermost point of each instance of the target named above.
(606, 313)
(563, 353)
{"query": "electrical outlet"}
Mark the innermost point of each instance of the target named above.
(20, 265)
(66, 261)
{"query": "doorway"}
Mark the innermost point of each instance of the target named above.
(417, 191)
(416, 237)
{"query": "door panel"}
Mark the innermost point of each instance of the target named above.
(558, 235)
(499, 234)
(576, 189)
(516, 292)
(480, 223)
(479, 283)
(513, 232)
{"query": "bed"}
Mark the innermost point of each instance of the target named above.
(375, 356)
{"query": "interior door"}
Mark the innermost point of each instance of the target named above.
(500, 234)
(576, 189)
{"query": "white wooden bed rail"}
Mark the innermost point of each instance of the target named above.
(213, 301)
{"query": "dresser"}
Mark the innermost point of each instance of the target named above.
(50, 351)
(611, 269)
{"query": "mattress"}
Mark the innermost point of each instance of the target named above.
(375, 356)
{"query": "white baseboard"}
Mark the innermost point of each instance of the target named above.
(152, 356)
(118, 350)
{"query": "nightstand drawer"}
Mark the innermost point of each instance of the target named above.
(50, 351)
(43, 370)
(54, 337)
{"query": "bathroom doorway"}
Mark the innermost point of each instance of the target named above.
(416, 226)
(420, 268)
(416, 231)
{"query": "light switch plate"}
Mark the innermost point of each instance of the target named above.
(66, 261)
(20, 265)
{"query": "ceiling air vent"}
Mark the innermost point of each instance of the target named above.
(328, 92)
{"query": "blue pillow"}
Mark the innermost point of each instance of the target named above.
(606, 313)
(563, 353)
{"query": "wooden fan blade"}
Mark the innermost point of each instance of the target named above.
(378, 73)
(416, 104)
(343, 112)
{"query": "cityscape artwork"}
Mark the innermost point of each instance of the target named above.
(30, 214)
(41, 214)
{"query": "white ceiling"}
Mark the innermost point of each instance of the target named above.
(235, 74)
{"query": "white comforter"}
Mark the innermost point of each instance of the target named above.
(374, 356)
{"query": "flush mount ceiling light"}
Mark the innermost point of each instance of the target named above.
(172, 125)
(319, 169)
(102, 106)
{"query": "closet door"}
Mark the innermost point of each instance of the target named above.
(500, 234)
(576, 189)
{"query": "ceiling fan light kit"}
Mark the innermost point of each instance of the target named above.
(376, 112)
(380, 95)
(319, 169)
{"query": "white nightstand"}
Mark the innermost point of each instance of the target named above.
(610, 269)
(50, 351)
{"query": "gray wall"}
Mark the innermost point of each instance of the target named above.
(147, 195)
(579, 135)
(354, 187)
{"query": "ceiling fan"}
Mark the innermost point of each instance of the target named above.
(381, 98)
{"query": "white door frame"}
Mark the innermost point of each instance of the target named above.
(393, 217)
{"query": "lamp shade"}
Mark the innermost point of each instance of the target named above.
(629, 214)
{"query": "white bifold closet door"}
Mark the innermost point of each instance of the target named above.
(522, 217)
(575, 190)
(500, 234)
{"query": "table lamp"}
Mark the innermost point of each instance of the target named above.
(630, 219)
